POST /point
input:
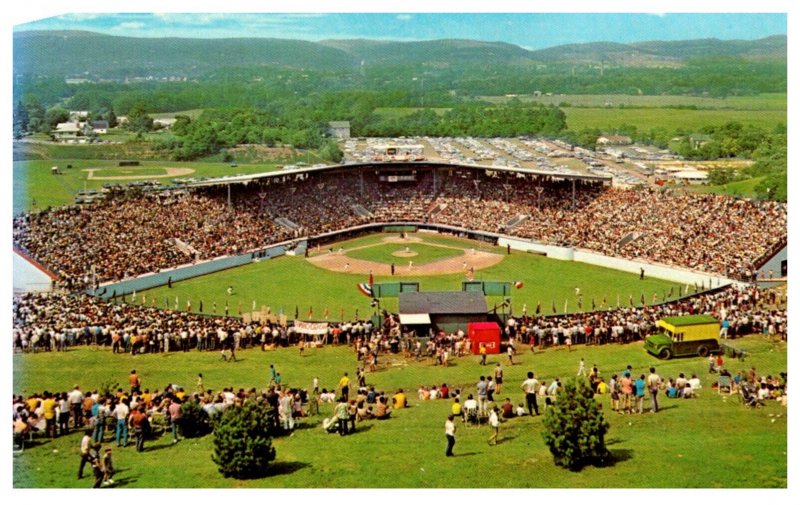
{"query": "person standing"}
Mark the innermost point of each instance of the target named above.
(121, 412)
(653, 383)
(494, 422)
(450, 434)
(530, 387)
(344, 385)
(138, 422)
(581, 368)
(482, 352)
(482, 386)
(76, 406)
(86, 446)
(498, 378)
(640, 385)
(174, 410)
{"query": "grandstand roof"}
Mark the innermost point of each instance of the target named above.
(246, 178)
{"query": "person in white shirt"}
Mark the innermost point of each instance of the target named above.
(120, 413)
(450, 434)
(494, 422)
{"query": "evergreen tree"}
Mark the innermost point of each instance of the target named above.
(574, 428)
(242, 442)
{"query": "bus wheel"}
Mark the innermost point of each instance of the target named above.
(702, 351)
(665, 354)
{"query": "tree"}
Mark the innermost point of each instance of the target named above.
(242, 441)
(194, 419)
(574, 428)
(54, 116)
(138, 120)
(21, 117)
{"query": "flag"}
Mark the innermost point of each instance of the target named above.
(518, 284)
(538, 307)
(366, 289)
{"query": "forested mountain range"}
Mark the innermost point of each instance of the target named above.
(79, 54)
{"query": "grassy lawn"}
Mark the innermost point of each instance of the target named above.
(746, 188)
(709, 442)
(385, 253)
(671, 119)
(35, 187)
(292, 281)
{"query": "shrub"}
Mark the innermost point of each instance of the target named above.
(574, 428)
(194, 420)
(242, 443)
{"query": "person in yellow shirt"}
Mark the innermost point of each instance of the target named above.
(49, 408)
(399, 400)
(456, 409)
(602, 387)
(344, 385)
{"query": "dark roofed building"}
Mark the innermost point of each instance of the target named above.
(446, 311)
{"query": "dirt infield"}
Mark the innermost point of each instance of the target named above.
(170, 172)
(474, 259)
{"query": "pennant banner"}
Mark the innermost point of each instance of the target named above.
(365, 289)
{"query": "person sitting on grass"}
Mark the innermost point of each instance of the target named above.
(507, 408)
(399, 400)
(382, 408)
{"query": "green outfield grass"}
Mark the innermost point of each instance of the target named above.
(389, 253)
(291, 282)
(690, 120)
(709, 442)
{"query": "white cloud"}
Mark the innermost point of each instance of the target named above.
(129, 25)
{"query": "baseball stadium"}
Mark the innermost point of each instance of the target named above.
(412, 279)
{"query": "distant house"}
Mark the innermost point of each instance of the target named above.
(614, 140)
(78, 115)
(163, 122)
(66, 131)
(339, 129)
(100, 127)
(698, 140)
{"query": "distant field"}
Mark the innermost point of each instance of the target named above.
(291, 282)
(766, 101)
(396, 112)
(671, 119)
(192, 114)
(34, 182)
(745, 189)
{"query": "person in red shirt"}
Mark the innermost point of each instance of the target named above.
(135, 382)
(138, 422)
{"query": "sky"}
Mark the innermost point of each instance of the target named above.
(528, 30)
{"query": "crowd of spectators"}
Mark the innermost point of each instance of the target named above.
(132, 235)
